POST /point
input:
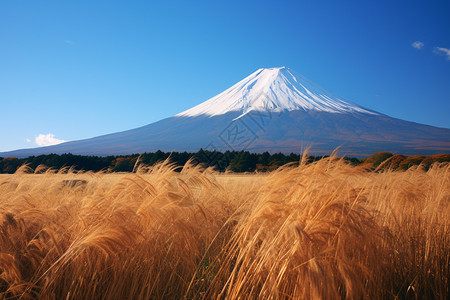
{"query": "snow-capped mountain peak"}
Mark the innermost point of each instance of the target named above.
(276, 90)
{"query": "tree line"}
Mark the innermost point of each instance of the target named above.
(235, 161)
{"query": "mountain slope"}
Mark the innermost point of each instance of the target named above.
(272, 110)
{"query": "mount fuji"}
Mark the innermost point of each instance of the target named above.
(275, 110)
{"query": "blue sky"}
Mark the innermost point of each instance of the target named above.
(77, 69)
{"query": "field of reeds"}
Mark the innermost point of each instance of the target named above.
(324, 230)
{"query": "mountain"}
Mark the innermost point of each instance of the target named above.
(275, 110)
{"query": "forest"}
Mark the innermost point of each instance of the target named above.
(233, 161)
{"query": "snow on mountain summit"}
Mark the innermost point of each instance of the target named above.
(276, 90)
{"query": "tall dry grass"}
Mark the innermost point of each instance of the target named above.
(324, 230)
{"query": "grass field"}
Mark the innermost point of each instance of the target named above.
(325, 230)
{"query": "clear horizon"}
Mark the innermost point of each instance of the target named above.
(72, 71)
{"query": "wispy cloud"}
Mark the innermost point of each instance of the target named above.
(69, 42)
(47, 140)
(442, 51)
(417, 45)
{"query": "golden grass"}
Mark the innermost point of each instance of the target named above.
(324, 230)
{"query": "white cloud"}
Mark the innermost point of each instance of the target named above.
(442, 51)
(28, 140)
(418, 45)
(69, 42)
(47, 140)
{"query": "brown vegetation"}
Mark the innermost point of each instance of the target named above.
(323, 230)
(387, 160)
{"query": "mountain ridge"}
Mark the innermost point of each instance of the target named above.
(272, 109)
